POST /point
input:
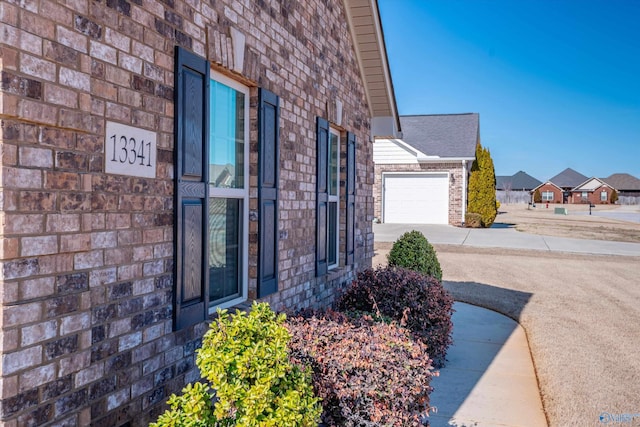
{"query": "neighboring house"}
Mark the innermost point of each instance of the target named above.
(516, 188)
(593, 190)
(550, 193)
(422, 178)
(628, 187)
(165, 159)
(567, 180)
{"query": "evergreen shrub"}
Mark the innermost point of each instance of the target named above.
(482, 187)
(413, 251)
(537, 196)
(245, 359)
(614, 197)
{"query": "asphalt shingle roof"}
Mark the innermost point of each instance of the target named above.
(444, 135)
(569, 178)
(519, 181)
(623, 181)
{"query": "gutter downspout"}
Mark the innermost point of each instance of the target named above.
(464, 190)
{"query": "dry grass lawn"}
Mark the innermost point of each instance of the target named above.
(581, 313)
(577, 224)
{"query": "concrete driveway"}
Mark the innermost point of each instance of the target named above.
(501, 236)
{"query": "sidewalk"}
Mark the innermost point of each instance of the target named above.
(509, 238)
(489, 379)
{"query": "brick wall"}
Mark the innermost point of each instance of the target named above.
(455, 185)
(87, 258)
(593, 197)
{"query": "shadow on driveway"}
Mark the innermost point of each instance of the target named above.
(502, 225)
(509, 302)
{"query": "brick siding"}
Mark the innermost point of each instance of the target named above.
(593, 197)
(557, 193)
(86, 257)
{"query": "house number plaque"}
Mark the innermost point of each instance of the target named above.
(129, 151)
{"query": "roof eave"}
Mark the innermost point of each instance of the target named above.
(368, 36)
(435, 159)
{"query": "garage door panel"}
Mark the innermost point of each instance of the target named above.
(416, 199)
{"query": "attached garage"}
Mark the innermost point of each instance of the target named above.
(415, 198)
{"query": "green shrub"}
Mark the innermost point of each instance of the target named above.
(537, 196)
(412, 299)
(472, 220)
(367, 373)
(482, 187)
(245, 359)
(414, 252)
(614, 197)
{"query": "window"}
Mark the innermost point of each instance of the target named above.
(228, 191)
(547, 196)
(585, 195)
(333, 240)
(603, 196)
(212, 190)
(329, 190)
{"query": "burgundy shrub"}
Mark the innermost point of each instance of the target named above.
(367, 373)
(415, 300)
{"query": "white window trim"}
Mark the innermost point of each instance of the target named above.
(237, 193)
(545, 197)
(335, 198)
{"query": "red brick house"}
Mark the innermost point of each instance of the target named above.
(594, 191)
(161, 159)
(549, 192)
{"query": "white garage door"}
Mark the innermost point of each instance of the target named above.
(416, 198)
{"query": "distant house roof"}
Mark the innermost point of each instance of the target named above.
(546, 183)
(519, 181)
(568, 178)
(442, 135)
(623, 182)
(590, 184)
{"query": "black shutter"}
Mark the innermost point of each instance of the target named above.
(268, 173)
(322, 195)
(350, 191)
(191, 190)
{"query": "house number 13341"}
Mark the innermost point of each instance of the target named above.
(130, 151)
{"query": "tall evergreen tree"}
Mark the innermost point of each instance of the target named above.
(482, 187)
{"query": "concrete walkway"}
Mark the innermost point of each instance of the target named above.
(489, 379)
(504, 237)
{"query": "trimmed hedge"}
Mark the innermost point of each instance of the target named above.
(366, 373)
(414, 300)
(413, 251)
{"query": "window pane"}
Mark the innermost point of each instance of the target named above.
(226, 142)
(333, 164)
(333, 233)
(225, 249)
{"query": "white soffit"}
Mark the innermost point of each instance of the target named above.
(366, 30)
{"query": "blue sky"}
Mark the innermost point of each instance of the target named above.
(556, 83)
